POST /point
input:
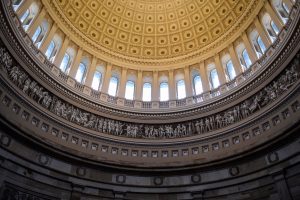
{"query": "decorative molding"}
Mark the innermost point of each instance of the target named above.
(71, 113)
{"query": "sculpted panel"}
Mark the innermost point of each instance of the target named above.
(109, 126)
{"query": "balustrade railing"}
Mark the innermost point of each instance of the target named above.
(147, 105)
(164, 104)
(95, 94)
(63, 76)
(180, 102)
(112, 99)
(129, 103)
(198, 98)
(79, 86)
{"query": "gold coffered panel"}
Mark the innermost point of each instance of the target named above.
(151, 29)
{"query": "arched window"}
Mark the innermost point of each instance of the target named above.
(29, 15)
(65, 63)
(16, 4)
(285, 7)
(40, 33)
(246, 60)
(181, 93)
(164, 91)
(36, 34)
(270, 26)
(25, 16)
(53, 47)
(274, 27)
(198, 89)
(80, 73)
(50, 50)
(214, 79)
(129, 90)
(113, 86)
(261, 45)
(147, 92)
(96, 80)
(230, 70)
(282, 9)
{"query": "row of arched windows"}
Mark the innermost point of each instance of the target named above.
(66, 61)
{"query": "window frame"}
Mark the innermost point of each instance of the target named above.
(26, 14)
(180, 84)
(36, 35)
(166, 98)
(150, 94)
(129, 83)
(52, 51)
(245, 60)
(194, 85)
(213, 86)
(66, 67)
(228, 73)
(83, 74)
(109, 86)
(276, 29)
(16, 5)
(261, 45)
(100, 80)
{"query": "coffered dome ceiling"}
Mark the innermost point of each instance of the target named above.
(153, 32)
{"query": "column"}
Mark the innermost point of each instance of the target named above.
(75, 64)
(155, 87)
(139, 86)
(38, 20)
(204, 77)
(48, 38)
(250, 51)
(23, 7)
(274, 15)
(262, 32)
(61, 53)
(122, 86)
(90, 73)
(235, 61)
(187, 81)
(107, 77)
(220, 70)
(172, 88)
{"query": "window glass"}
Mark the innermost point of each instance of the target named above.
(113, 85)
(147, 92)
(261, 44)
(80, 73)
(25, 16)
(285, 7)
(230, 70)
(16, 4)
(50, 50)
(164, 91)
(129, 90)
(198, 85)
(181, 93)
(246, 58)
(36, 34)
(96, 80)
(214, 79)
(64, 65)
(274, 27)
